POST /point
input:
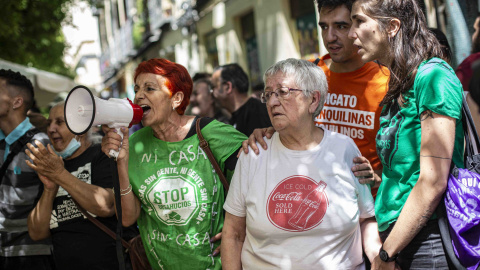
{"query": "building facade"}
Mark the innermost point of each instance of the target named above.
(202, 34)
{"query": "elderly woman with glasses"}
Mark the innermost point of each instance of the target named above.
(298, 205)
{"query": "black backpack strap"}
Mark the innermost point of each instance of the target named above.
(16, 147)
(316, 61)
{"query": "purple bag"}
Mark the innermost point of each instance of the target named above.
(460, 228)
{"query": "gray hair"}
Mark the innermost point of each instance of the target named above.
(306, 75)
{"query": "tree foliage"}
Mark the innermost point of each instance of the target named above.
(30, 33)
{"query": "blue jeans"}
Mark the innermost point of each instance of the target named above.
(425, 251)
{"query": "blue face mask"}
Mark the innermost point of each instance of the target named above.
(70, 149)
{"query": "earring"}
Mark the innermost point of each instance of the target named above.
(173, 108)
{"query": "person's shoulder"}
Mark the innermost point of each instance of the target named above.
(140, 134)
(205, 121)
(95, 148)
(210, 125)
(261, 152)
(258, 107)
(336, 139)
(322, 62)
(377, 69)
(94, 152)
(253, 106)
(332, 135)
(436, 70)
(434, 64)
(255, 102)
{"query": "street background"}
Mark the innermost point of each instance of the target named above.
(98, 43)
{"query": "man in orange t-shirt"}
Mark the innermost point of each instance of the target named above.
(355, 89)
(351, 106)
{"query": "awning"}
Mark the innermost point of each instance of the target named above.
(47, 85)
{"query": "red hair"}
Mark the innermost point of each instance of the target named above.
(176, 76)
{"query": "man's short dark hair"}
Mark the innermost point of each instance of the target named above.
(234, 73)
(333, 4)
(21, 84)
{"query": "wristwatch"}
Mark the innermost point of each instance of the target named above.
(384, 256)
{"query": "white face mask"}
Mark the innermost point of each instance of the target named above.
(70, 149)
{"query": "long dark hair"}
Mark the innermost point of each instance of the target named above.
(412, 44)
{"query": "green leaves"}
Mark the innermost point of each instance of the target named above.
(30, 33)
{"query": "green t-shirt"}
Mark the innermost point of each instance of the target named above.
(181, 195)
(436, 88)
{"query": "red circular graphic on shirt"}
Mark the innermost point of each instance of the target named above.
(297, 203)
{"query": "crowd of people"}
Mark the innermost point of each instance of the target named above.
(338, 162)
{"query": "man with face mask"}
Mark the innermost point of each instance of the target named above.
(74, 172)
(20, 186)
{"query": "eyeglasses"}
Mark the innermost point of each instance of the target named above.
(282, 92)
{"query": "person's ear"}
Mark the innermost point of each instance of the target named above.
(315, 101)
(17, 102)
(229, 87)
(393, 27)
(177, 99)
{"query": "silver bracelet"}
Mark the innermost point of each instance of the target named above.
(123, 190)
(129, 190)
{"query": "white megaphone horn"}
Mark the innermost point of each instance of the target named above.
(83, 110)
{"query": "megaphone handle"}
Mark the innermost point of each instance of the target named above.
(112, 152)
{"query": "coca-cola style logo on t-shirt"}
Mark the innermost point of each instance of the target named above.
(297, 203)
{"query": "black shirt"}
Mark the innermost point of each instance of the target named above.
(77, 242)
(253, 114)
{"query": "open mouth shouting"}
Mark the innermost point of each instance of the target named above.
(146, 109)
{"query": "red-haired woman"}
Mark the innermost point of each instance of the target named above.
(167, 182)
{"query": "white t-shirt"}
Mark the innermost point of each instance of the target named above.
(302, 208)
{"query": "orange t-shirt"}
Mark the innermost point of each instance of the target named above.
(352, 105)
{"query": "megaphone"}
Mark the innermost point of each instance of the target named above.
(83, 110)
